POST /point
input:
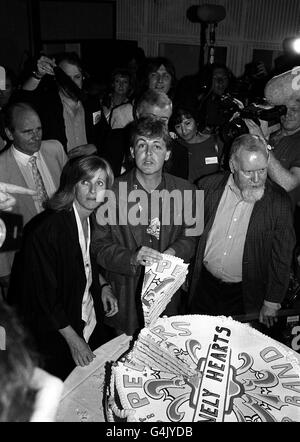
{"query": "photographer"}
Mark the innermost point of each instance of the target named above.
(284, 158)
(67, 114)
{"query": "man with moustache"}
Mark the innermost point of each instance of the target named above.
(244, 255)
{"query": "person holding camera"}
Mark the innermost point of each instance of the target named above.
(67, 114)
(284, 158)
(244, 255)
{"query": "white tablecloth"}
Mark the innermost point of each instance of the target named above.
(83, 389)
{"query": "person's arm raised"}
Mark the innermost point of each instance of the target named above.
(45, 66)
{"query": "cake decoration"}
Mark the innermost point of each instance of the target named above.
(205, 369)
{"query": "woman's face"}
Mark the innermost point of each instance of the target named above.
(90, 193)
(160, 80)
(187, 129)
(121, 85)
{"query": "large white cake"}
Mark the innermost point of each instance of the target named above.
(204, 368)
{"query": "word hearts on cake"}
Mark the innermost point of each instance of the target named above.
(205, 369)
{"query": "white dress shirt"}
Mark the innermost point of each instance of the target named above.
(22, 160)
(88, 311)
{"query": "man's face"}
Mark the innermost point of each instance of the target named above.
(250, 173)
(73, 72)
(27, 132)
(291, 121)
(220, 81)
(149, 154)
(162, 114)
(160, 80)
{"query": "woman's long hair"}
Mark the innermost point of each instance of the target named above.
(75, 170)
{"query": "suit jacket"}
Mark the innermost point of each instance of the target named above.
(48, 277)
(269, 243)
(55, 158)
(115, 245)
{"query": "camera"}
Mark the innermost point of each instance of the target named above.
(11, 228)
(236, 113)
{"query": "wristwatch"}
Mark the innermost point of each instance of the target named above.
(269, 146)
(36, 75)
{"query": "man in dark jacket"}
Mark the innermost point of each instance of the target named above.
(67, 114)
(124, 247)
(244, 255)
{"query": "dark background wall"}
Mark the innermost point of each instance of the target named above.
(251, 29)
(14, 32)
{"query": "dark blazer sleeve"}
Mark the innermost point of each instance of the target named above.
(191, 228)
(283, 243)
(112, 246)
(41, 282)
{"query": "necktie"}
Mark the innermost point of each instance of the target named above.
(38, 180)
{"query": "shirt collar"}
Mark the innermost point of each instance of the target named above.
(22, 157)
(233, 187)
(137, 185)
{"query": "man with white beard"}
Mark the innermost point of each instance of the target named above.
(243, 260)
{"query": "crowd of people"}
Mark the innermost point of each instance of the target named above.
(75, 163)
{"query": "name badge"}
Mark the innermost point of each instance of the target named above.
(211, 160)
(96, 117)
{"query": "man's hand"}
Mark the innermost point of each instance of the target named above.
(146, 256)
(7, 201)
(254, 129)
(268, 314)
(169, 251)
(110, 303)
(45, 66)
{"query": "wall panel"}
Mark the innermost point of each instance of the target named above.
(249, 24)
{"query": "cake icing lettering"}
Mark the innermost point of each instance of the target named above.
(286, 368)
(182, 327)
(159, 331)
(196, 369)
(134, 383)
(292, 386)
(136, 401)
(270, 354)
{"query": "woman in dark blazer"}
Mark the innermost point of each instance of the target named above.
(55, 282)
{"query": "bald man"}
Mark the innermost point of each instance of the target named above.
(244, 254)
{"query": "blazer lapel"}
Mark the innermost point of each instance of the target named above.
(73, 238)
